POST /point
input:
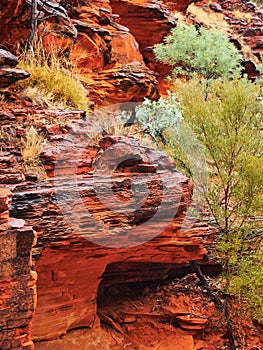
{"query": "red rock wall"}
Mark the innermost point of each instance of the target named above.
(111, 41)
(70, 267)
(17, 280)
(148, 21)
(104, 52)
(178, 5)
(110, 61)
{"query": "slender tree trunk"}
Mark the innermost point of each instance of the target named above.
(33, 29)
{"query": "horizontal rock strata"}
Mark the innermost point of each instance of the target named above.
(78, 237)
(17, 280)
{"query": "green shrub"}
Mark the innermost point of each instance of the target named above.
(162, 121)
(156, 116)
(227, 118)
(209, 53)
(246, 284)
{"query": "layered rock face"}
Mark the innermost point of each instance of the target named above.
(78, 238)
(106, 55)
(246, 18)
(91, 240)
(8, 73)
(82, 240)
(17, 280)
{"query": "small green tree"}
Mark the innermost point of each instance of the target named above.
(209, 53)
(228, 121)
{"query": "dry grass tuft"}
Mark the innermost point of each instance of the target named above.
(243, 15)
(181, 18)
(208, 18)
(109, 124)
(32, 145)
(51, 81)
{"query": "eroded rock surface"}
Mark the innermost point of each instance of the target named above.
(71, 257)
(105, 54)
(8, 73)
(111, 39)
(110, 47)
(245, 21)
(148, 21)
(17, 280)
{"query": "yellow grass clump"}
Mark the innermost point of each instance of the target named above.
(208, 18)
(51, 82)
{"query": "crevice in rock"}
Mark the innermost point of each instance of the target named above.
(132, 307)
(130, 281)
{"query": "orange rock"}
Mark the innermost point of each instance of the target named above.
(9, 76)
(5, 199)
(191, 323)
(148, 21)
(178, 5)
(17, 288)
(129, 319)
(70, 267)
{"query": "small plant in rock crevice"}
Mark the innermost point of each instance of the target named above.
(155, 116)
(30, 144)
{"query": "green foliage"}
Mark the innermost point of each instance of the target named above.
(51, 78)
(246, 284)
(156, 116)
(241, 255)
(227, 118)
(209, 53)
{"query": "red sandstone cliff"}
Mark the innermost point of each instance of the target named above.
(17, 280)
(110, 43)
(71, 266)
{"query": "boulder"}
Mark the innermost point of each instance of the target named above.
(9, 76)
(7, 58)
